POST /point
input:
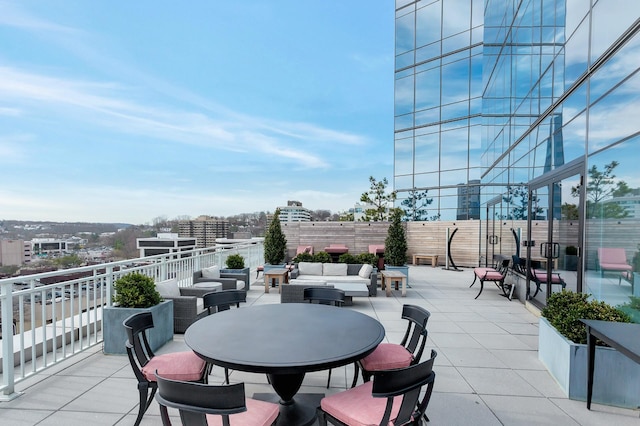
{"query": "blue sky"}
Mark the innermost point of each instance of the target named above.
(125, 111)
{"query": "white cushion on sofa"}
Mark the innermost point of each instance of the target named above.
(310, 268)
(334, 269)
(168, 288)
(365, 271)
(307, 282)
(211, 273)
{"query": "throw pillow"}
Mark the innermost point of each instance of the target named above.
(310, 268)
(211, 273)
(334, 269)
(365, 271)
(168, 288)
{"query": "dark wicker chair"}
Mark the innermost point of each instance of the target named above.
(373, 402)
(389, 356)
(183, 365)
(198, 404)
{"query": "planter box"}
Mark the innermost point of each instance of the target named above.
(616, 380)
(114, 335)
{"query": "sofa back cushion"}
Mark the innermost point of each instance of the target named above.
(310, 268)
(365, 271)
(211, 273)
(334, 269)
(353, 268)
(168, 288)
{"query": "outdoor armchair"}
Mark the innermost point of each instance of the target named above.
(393, 398)
(229, 280)
(186, 307)
(178, 365)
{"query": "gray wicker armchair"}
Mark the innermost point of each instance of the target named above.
(228, 280)
(186, 309)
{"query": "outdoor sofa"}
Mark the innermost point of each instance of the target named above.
(317, 273)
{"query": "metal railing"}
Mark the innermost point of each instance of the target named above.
(54, 315)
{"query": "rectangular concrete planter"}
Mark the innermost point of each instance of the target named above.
(616, 380)
(114, 335)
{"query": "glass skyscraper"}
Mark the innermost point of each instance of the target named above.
(532, 104)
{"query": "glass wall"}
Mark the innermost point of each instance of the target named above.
(508, 91)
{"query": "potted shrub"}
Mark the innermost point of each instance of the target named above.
(322, 256)
(275, 244)
(303, 257)
(235, 265)
(370, 258)
(562, 349)
(395, 245)
(347, 258)
(134, 293)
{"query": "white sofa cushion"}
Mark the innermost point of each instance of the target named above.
(310, 268)
(211, 273)
(365, 271)
(168, 288)
(334, 269)
(307, 282)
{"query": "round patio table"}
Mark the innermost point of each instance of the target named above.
(285, 341)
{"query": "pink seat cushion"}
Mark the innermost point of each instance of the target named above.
(356, 406)
(481, 271)
(259, 413)
(492, 275)
(387, 356)
(185, 366)
(616, 266)
(542, 276)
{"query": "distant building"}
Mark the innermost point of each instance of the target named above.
(14, 252)
(204, 229)
(469, 200)
(164, 244)
(294, 212)
(630, 203)
(46, 246)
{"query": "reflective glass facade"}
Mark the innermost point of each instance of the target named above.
(537, 99)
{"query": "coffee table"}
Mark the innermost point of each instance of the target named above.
(390, 276)
(350, 290)
(279, 274)
(285, 341)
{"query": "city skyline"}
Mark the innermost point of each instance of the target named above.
(126, 112)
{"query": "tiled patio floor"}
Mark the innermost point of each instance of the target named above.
(487, 368)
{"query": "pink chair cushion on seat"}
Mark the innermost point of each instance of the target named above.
(259, 413)
(387, 356)
(481, 271)
(492, 275)
(357, 407)
(616, 266)
(185, 366)
(542, 277)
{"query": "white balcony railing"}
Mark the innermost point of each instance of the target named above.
(43, 324)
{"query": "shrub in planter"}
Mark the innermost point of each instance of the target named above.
(370, 258)
(565, 309)
(235, 261)
(347, 258)
(322, 256)
(135, 290)
(303, 257)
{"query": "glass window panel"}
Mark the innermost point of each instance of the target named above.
(615, 70)
(576, 54)
(428, 116)
(404, 95)
(428, 52)
(455, 42)
(456, 141)
(404, 60)
(401, 3)
(403, 122)
(477, 14)
(454, 111)
(405, 33)
(609, 20)
(574, 16)
(403, 161)
(456, 17)
(403, 181)
(428, 89)
(428, 24)
(453, 177)
(427, 180)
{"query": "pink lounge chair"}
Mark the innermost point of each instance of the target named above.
(614, 259)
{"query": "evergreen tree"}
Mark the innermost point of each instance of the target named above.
(395, 245)
(275, 242)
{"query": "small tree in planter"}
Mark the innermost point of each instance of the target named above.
(235, 261)
(395, 245)
(275, 242)
(235, 265)
(135, 293)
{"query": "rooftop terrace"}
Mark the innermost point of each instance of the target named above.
(487, 367)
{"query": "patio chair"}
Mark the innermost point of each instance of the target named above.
(495, 275)
(540, 276)
(186, 306)
(325, 296)
(392, 398)
(614, 259)
(178, 365)
(388, 356)
(222, 301)
(201, 404)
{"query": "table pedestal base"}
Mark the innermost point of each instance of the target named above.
(301, 412)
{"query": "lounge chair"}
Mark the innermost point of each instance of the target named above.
(614, 259)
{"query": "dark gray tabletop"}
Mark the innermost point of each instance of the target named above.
(624, 337)
(284, 338)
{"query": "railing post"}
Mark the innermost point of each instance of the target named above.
(109, 283)
(6, 303)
